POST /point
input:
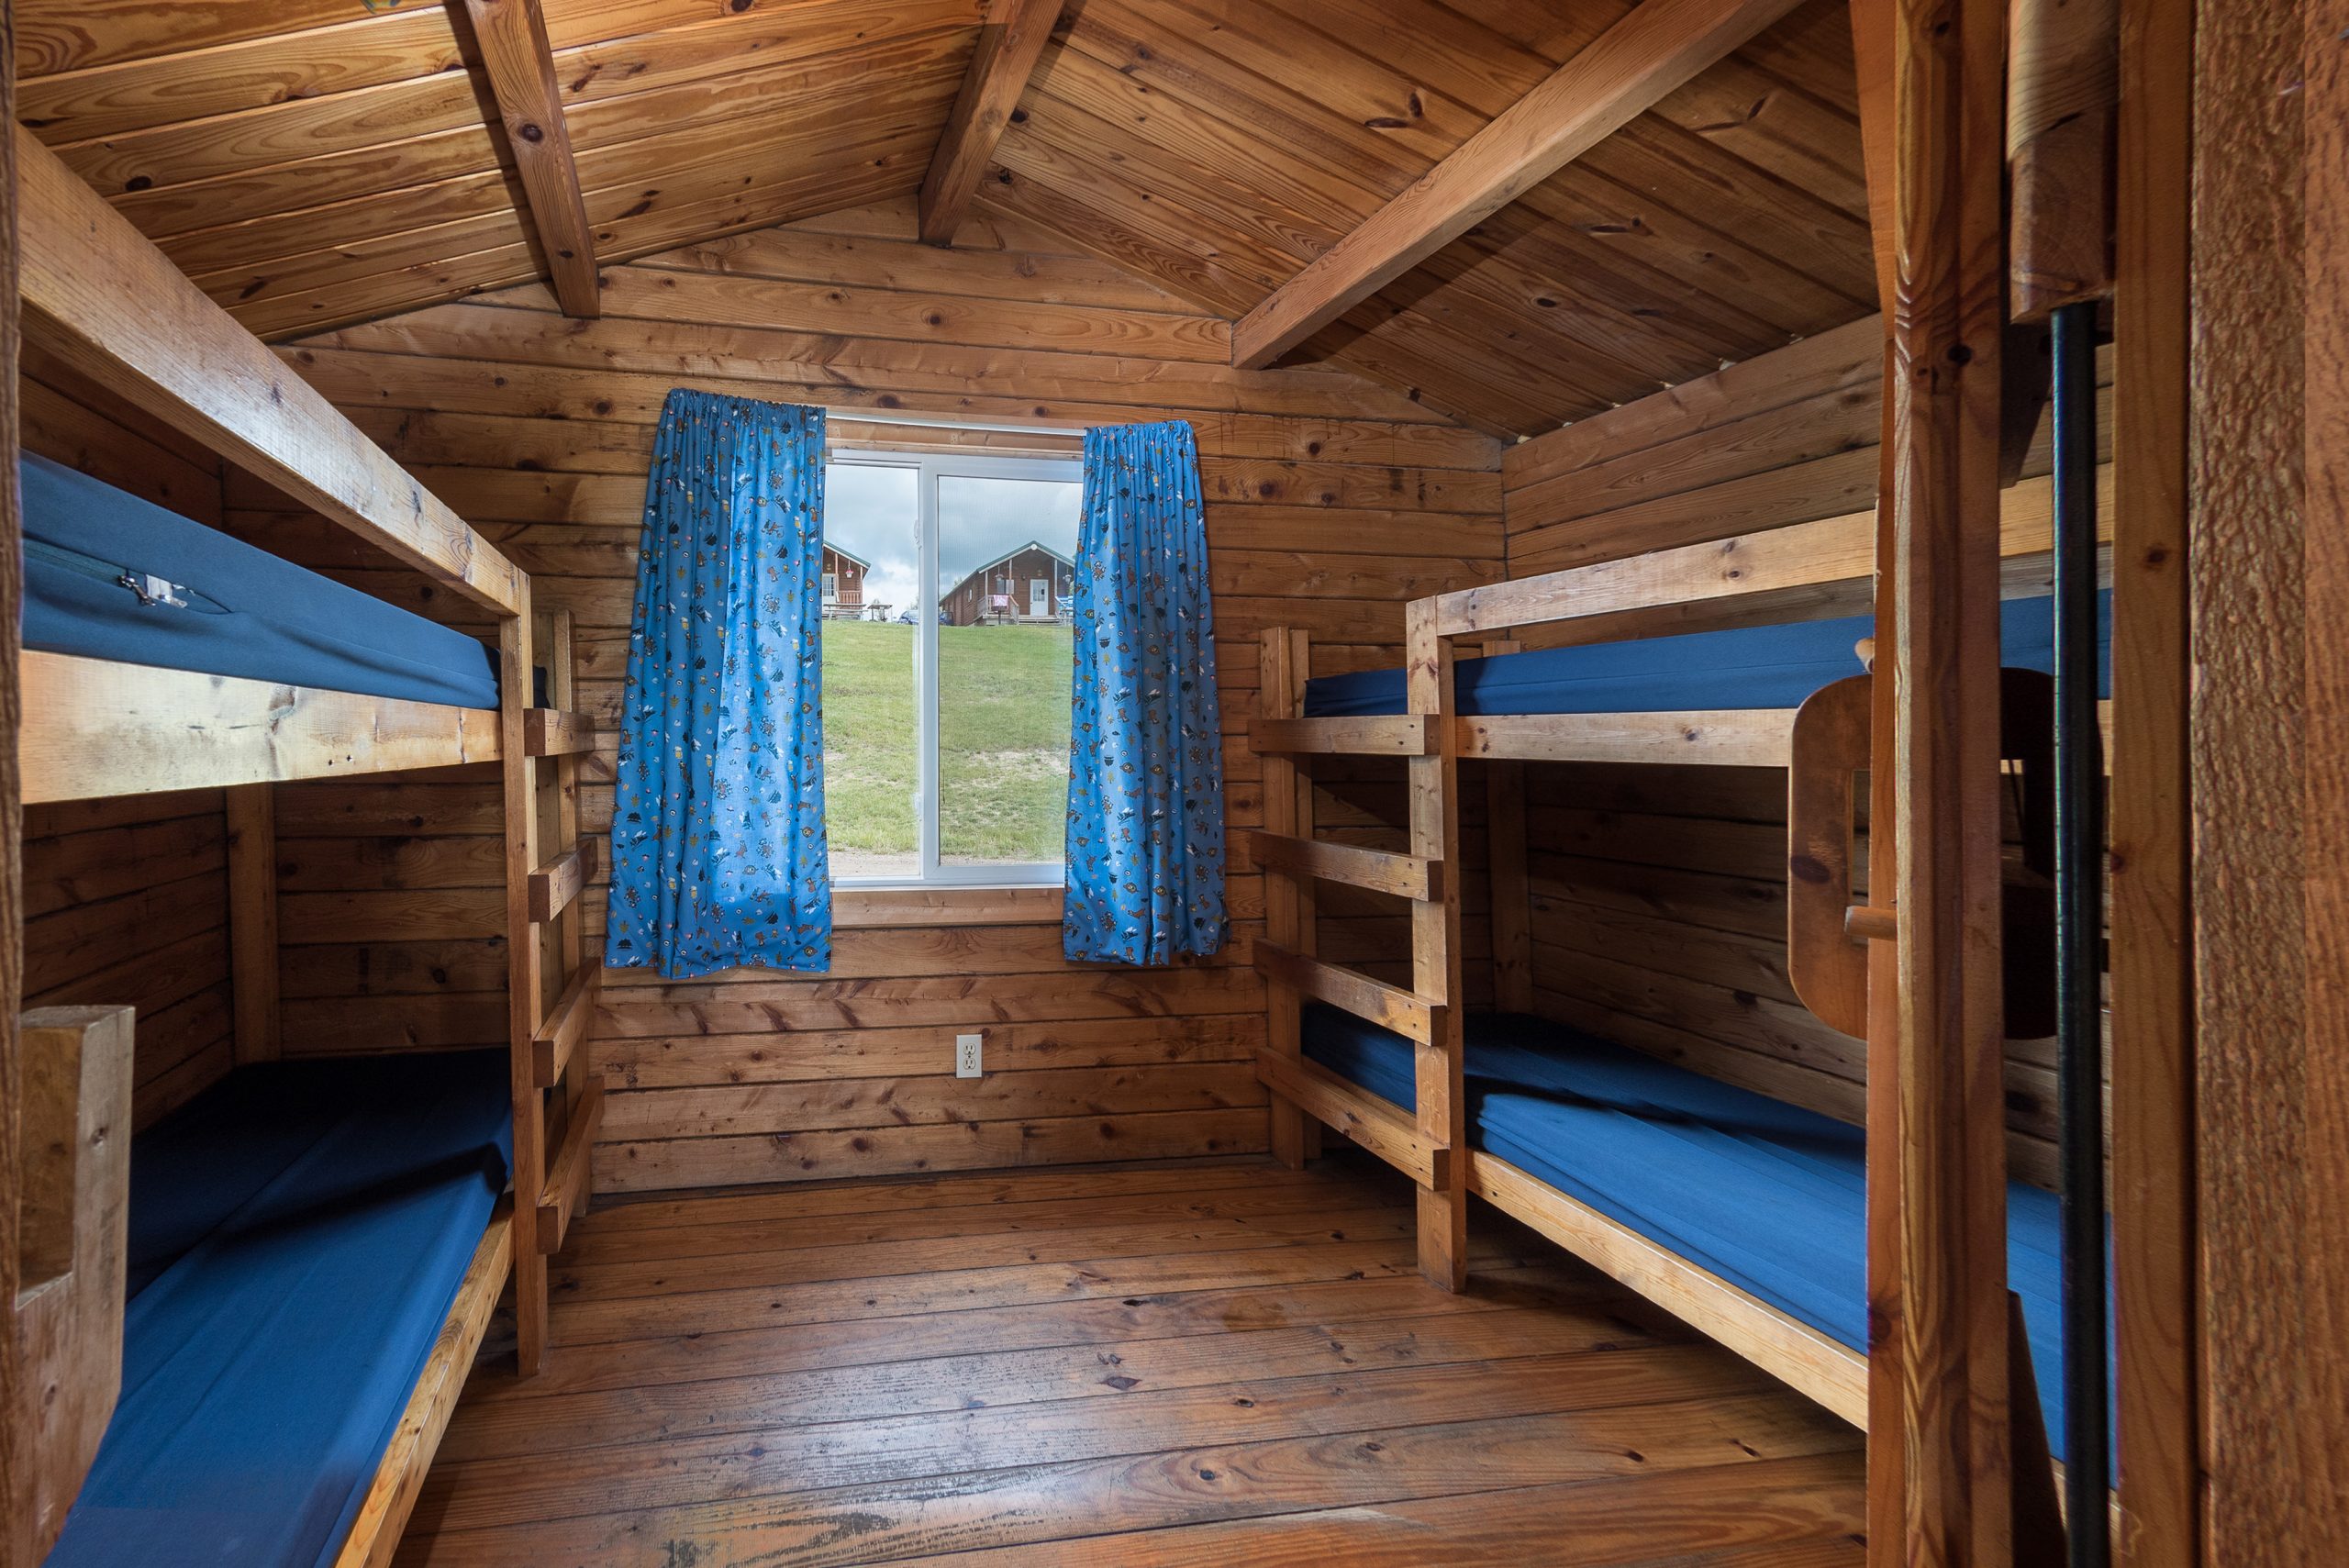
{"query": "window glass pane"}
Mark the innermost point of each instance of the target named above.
(1007, 550)
(872, 693)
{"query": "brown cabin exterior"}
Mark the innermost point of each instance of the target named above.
(1029, 585)
(843, 583)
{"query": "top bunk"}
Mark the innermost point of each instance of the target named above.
(268, 672)
(1624, 675)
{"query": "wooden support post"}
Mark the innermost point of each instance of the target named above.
(1512, 882)
(72, 1248)
(1947, 1052)
(2062, 84)
(18, 1549)
(1435, 950)
(252, 920)
(1288, 900)
(524, 982)
(2152, 979)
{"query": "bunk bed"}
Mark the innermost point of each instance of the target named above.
(292, 1279)
(1654, 1173)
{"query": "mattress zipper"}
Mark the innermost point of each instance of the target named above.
(150, 589)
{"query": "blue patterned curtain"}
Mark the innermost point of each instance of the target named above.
(719, 851)
(1145, 777)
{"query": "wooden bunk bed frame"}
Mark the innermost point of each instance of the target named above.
(98, 294)
(1808, 571)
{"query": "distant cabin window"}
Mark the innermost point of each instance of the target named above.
(947, 585)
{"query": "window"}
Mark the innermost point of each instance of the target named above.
(946, 699)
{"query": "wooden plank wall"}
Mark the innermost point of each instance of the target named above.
(1659, 893)
(127, 900)
(1331, 501)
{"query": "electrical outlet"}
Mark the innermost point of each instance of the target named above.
(966, 1055)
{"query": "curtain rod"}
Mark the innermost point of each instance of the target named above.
(947, 422)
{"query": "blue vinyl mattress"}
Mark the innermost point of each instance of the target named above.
(1767, 1196)
(298, 1234)
(241, 611)
(1749, 667)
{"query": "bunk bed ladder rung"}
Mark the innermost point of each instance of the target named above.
(554, 885)
(1390, 1006)
(1405, 876)
(557, 732)
(564, 1196)
(1386, 1130)
(566, 1024)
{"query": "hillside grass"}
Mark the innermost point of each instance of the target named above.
(1003, 740)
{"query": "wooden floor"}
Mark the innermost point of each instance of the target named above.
(1218, 1364)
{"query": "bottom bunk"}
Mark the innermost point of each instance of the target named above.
(1667, 1172)
(315, 1250)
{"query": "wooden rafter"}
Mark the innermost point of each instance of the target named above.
(512, 37)
(1657, 47)
(1007, 55)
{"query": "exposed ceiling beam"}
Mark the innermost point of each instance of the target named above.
(512, 37)
(1007, 56)
(1621, 73)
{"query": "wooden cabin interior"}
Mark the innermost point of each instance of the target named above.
(1175, 782)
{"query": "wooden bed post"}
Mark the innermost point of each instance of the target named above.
(1947, 1055)
(252, 918)
(1286, 661)
(1510, 878)
(16, 1549)
(1435, 950)
(523, 981)
(2154, 1157)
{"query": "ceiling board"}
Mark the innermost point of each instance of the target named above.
(321, 161)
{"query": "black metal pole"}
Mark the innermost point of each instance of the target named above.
(2079, 941)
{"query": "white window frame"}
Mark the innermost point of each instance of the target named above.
(929, 470)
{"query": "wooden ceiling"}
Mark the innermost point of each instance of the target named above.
(312, 162)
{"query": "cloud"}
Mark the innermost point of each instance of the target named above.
(874, 512)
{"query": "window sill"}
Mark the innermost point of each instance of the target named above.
(870, 906)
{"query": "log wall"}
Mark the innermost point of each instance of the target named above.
(1659, 893)
(127, 899)
(1332, 502)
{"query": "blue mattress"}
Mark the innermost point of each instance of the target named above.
(1759, 666)
(1767, 1196)
(239, 610)
(297, 1233)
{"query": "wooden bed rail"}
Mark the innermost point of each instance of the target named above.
(1821, 568)
(100, 295)
(72, 1246)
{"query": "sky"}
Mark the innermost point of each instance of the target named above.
(872, 511)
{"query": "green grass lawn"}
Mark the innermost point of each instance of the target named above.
(1003, 739)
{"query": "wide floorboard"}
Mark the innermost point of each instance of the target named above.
(1212, 1364)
